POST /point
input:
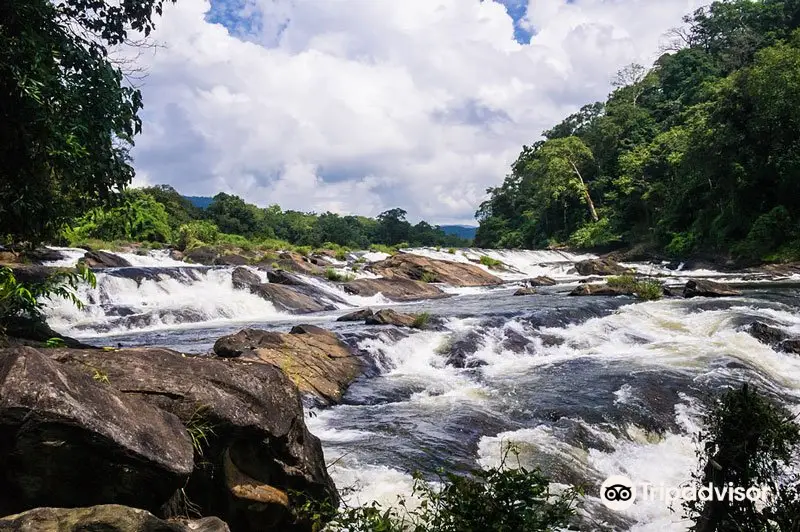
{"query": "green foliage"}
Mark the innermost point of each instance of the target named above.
(748, 441)
(200, 429)
(491, 263)
(18, 300)
(337, 277)
(701, 150)
(451, 251)
(492, 500)
(100, 376)
(623, 281)
(421, 320)
(594, 234)
(429, 277)
(69, 118)
(646, 289)
(137, 217)
(197, 233)
(53, 343)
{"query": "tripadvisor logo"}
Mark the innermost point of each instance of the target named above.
(619, 493)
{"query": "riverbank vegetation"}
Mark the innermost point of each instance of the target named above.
(699, 152)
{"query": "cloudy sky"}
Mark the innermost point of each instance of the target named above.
(357, 106)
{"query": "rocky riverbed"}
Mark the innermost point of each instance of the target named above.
(216, 393)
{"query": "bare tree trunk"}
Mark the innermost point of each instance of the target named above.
(592, 210)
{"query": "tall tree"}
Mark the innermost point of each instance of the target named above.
(67, 118)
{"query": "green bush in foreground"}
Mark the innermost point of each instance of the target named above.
(491, 500)
(646, 289)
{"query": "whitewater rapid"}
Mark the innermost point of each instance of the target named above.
(581, 387)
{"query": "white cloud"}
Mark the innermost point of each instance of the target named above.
(362, 105)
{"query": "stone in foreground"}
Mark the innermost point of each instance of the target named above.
(67, 439)
(103, 518)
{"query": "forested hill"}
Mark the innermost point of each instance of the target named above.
(699, 152)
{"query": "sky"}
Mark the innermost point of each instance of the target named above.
(359, 106)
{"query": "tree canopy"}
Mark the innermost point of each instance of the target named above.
(701, 150)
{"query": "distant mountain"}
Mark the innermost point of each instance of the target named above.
(201, 202)
(464, 231)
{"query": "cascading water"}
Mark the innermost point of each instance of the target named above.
(583, 387)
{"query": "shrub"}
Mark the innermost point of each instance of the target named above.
(492, 500)
(18, 300)
(491, 263)
(429, 277)
(196, 233)
(682, 244)
(747, 441)
(451, 251)
(421, 320)
(594, 234)
(768, 232)
(646, 289)
(622, 281)
(337, 277)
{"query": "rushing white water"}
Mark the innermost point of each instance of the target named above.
(643, 364)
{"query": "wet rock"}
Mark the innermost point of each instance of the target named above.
(515, 341)
(293, 261)
(391, 317)
(415, 268)
(104, 259)
(706, 288)
(40, 255)
(774, 337)
(68, 439)
(601, 267)
(593, 279)
(542, 280)
(244, 279)
(285, 278)
(290, 299)
(317, 361)
(525, 291)
(600, 290)
(105, 518)
(175, 254)
(358, 315)
(248, 411)
(202, 255)
(460, 351)
(231, 259)
(394, 289)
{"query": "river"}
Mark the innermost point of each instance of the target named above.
(583, 387)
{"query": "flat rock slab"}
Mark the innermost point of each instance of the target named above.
(706, 288)
(68, 439)
(415, 268)
(394, 289)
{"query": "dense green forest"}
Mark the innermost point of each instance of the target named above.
(701, 152)
(161, 215)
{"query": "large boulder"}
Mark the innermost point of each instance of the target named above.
(104, 259)
(290, 298)
(391, 317)
(394, 289)
(415, 268)
(358, 315)
(318, 362)
(293, 261)
(601, 267)
(525, 291)
(246, 420)
(542, 280)
(244, 279)
(231, 259)
(706, 288)
(103, 518)
(284, 277)
(67, 439)
(205, 255)
(601, 290)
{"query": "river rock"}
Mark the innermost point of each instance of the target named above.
(244, 414)
(415, 267)
(774, 337)
(244, 279)
(231, 259)
(293, 261)
(394, 289)
(68, 439)
(358, 315)
(104, 259)
(318, 362)
(706, 288)
(40, 255)
(600, 290)
(459, 351)
(103, 518)
(290, 299)
(525, 291)
(285, 278)
(601, 267)
(391, 317)
(205, 255)
(542, 280)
